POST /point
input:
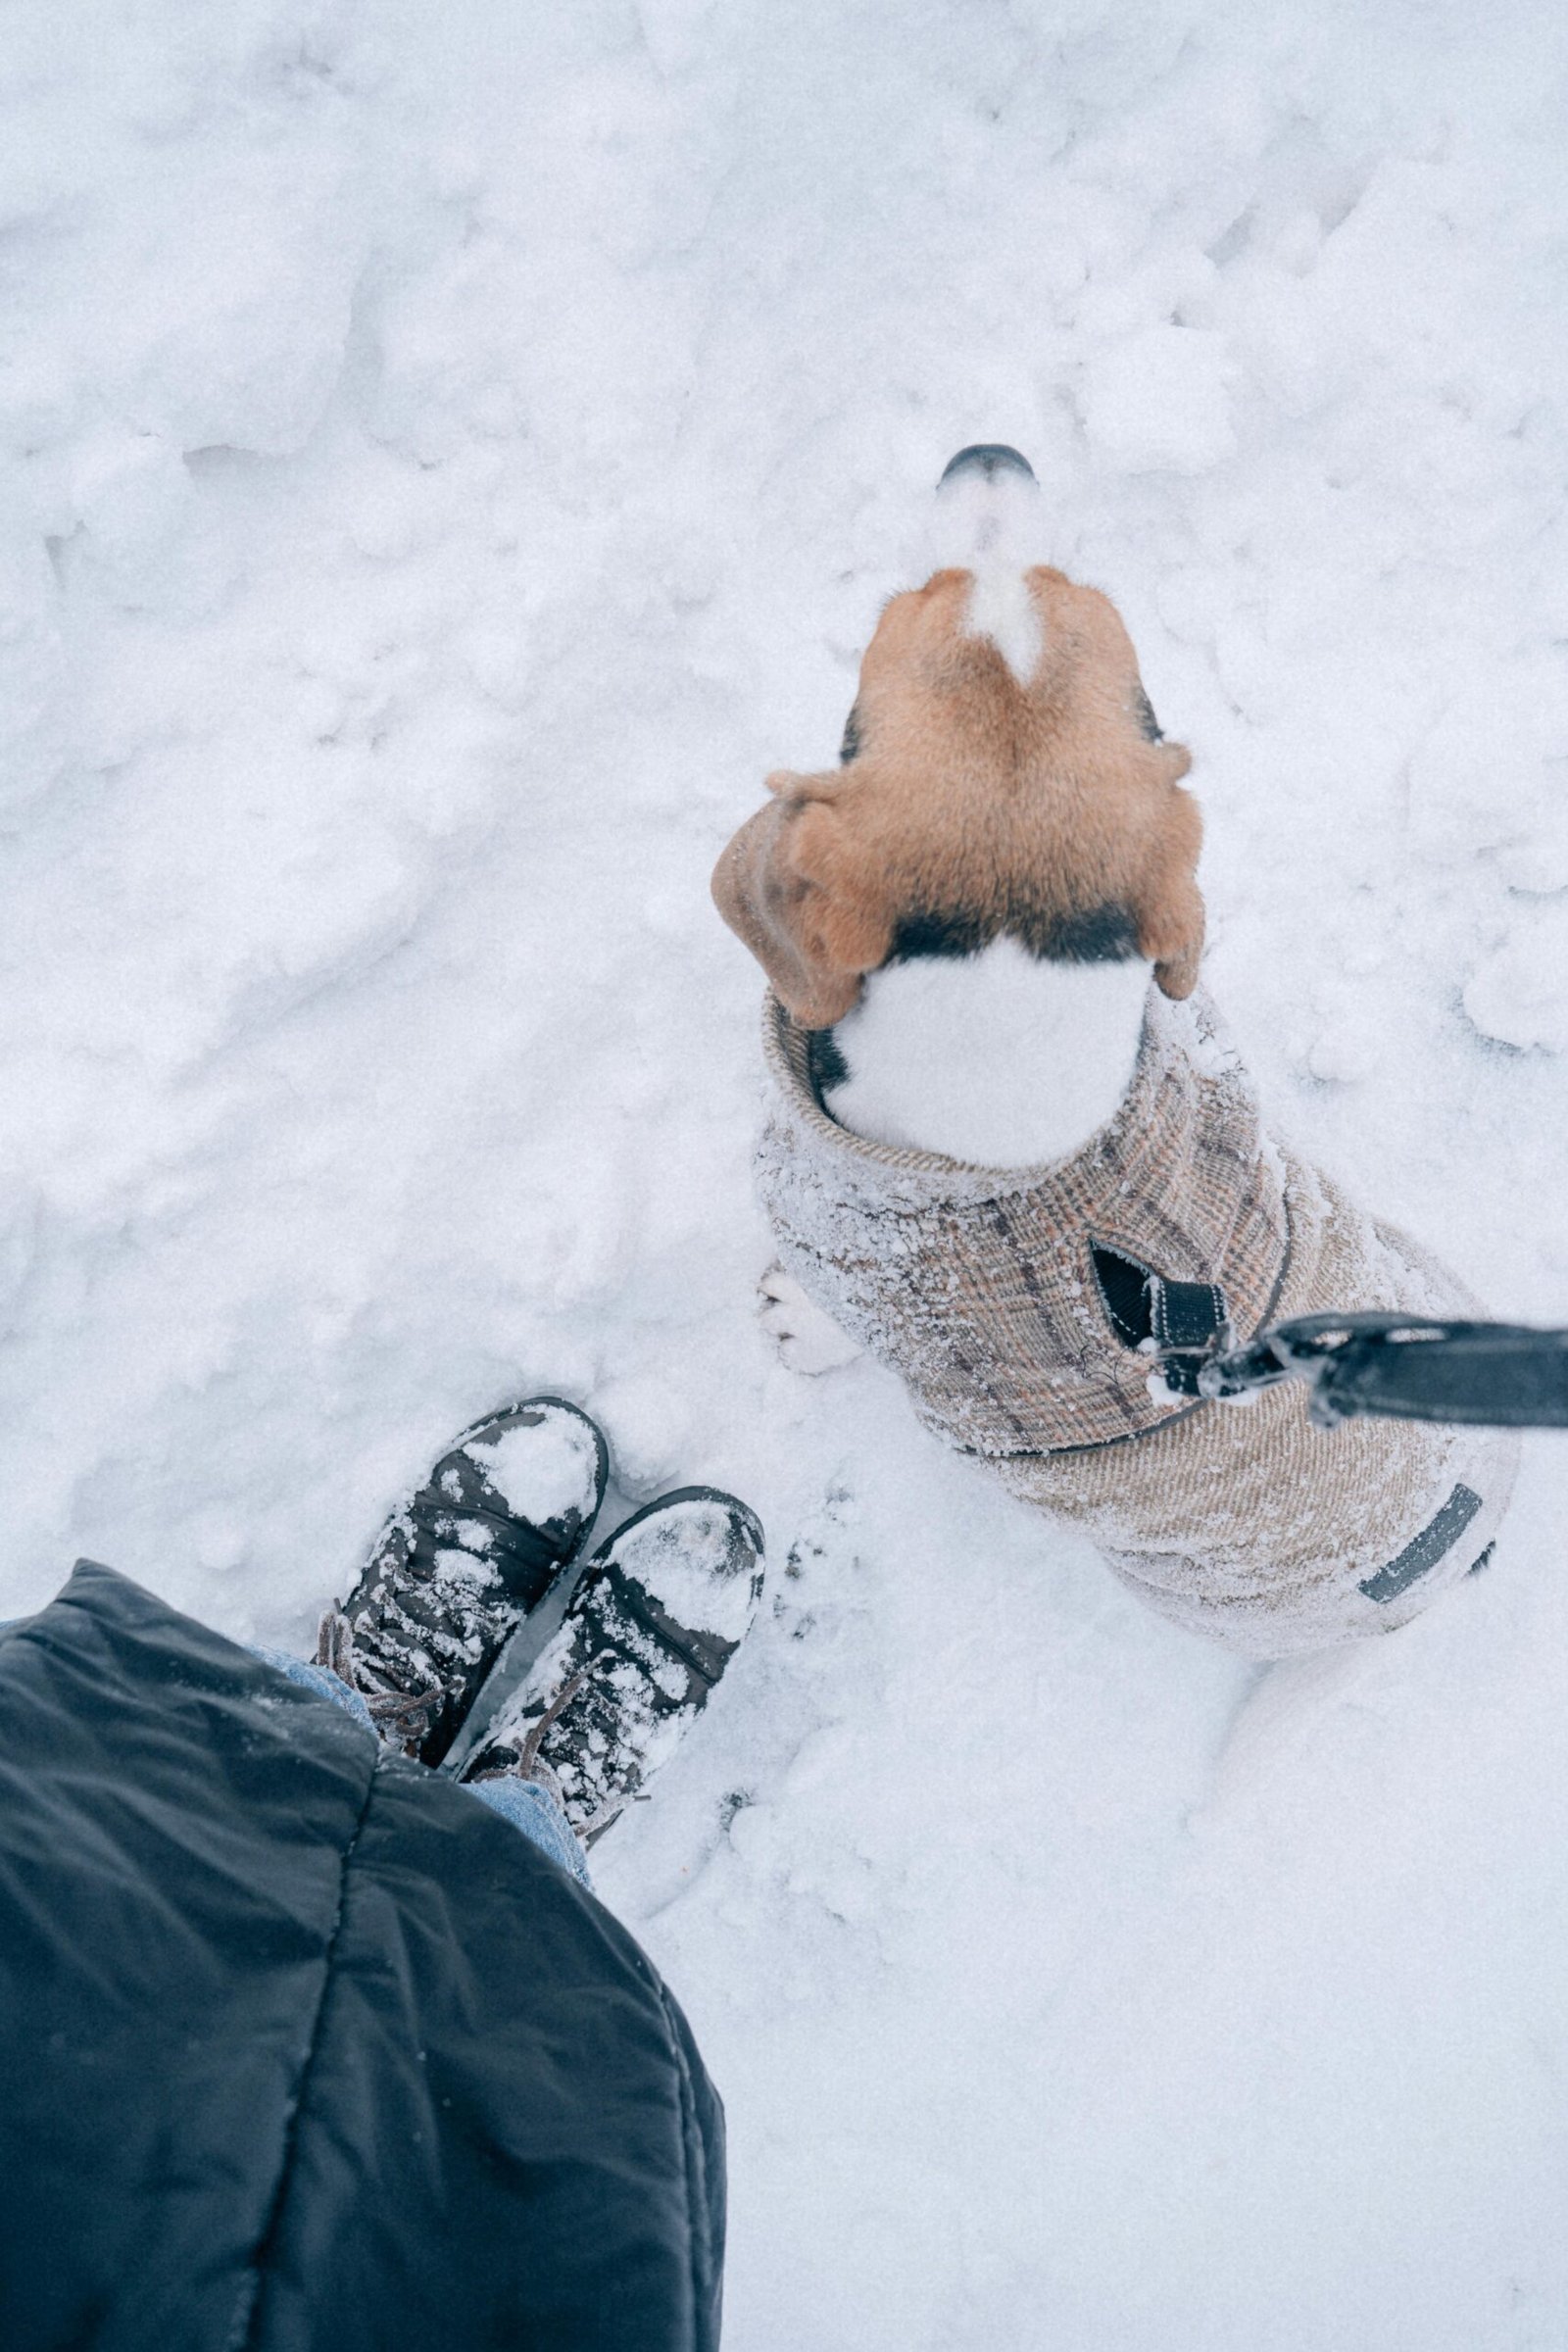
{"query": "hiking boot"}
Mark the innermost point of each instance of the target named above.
(460, 1564)
(661, 1610)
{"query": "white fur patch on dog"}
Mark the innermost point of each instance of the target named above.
(995, 528)
(998, 1059)
(1001, 609)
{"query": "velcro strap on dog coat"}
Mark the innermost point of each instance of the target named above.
(1185, 1318)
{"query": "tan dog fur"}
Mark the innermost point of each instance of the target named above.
(1010, 808)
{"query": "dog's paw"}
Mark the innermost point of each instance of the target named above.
(808, 1340)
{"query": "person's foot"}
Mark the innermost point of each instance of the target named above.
(460, 1564)
(661, 1608)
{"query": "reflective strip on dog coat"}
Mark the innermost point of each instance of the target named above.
(986, 1292)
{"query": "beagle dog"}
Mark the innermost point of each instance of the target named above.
(1011, 1150)
(964, 912)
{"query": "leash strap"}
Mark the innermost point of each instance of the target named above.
(1404, 1368)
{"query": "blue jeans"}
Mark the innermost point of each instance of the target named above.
(529, 1807)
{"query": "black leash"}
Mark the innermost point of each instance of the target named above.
(1409, 1367)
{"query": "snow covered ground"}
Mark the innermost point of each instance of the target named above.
(449, 455)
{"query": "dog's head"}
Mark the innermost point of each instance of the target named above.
(1001, 774)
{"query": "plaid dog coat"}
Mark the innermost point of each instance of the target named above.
(1020, 1308)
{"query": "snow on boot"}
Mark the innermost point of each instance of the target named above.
(460, 1564)
(661, 1608)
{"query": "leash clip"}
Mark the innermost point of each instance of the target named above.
(1316, 1349)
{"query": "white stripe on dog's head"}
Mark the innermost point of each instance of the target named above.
(1001, 608)
(989, 522)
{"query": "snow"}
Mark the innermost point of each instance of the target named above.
(449, 457)
(1158, 401)
(542, 1469)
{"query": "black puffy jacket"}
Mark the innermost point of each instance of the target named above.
(301, 2047)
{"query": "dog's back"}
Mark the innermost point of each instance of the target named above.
(1019, 1309)
(998, 1165)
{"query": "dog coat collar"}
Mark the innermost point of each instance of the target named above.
(1022, 1307)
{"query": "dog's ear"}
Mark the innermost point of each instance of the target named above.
(1170, 910)
(792, 887)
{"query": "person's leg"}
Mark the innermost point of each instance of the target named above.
(498, 1519)
(658, 1614)
(529, 1807)
(663, 1607)
(532, 1809)
(319, 1679)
